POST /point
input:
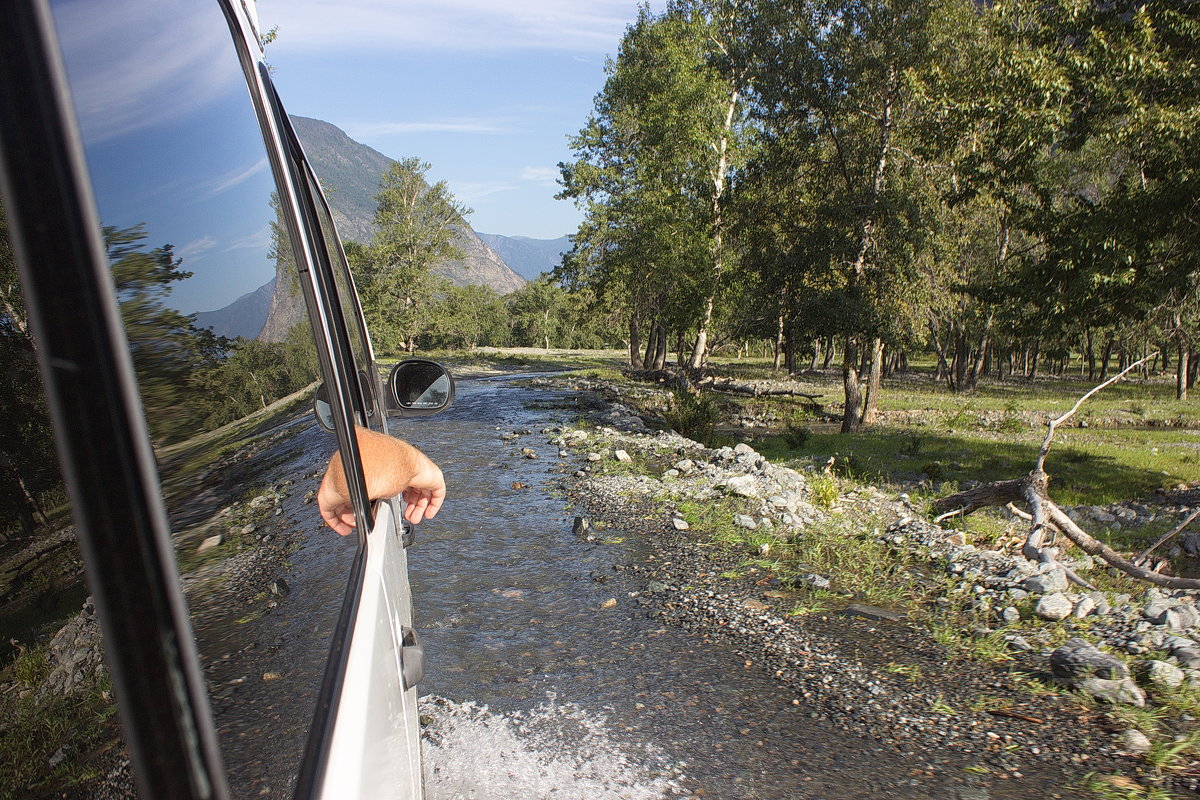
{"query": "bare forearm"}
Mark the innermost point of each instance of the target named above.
(390, 467)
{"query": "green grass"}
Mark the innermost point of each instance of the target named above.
(35, 728)
(1092, 466)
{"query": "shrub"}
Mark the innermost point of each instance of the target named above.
(693, 414)
(795, 432)
(824, 490)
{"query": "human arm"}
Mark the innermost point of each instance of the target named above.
(391, 467)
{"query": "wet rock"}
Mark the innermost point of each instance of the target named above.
(528, 452)
(582, 527)
(1054, 607)
(280, 587)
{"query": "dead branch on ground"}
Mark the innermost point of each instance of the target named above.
(1046, 517)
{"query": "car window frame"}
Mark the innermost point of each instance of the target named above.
(94, 405)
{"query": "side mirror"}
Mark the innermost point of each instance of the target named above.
(322, 409)
(417, 387)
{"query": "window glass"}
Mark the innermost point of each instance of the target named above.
(55, 697)
(225, 360)
(347, 299)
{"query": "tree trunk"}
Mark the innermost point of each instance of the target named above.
(1182, 363)
(851, 419)
(635, 344)
(1090, 351)
(816, 354)
(661, 346)
(1036, 357)
(651, 346)
(828, 353)
(778, 355)
(871, 404)
(943, 369)
(717, 222)
(1105, 357)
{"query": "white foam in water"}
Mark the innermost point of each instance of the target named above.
(558, 752)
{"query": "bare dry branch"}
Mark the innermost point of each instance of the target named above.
(1166, 536)
(1054, 423)
(1095, 548)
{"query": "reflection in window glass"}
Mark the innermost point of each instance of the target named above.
(55, 697)
(368, 375)
(215, 317)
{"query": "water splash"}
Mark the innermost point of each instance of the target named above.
(558, 752)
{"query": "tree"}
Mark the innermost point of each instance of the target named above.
(416, 226)
(651, 173)
(28, 465)
(831, 87)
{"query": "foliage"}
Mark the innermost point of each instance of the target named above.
(693, 414)
(416, 228)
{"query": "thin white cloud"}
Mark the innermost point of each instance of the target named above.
(194, 249)
(107, 57)
(366, 130)
(259, 240)
(545, 176)
(224, 183)
(587, 26)
(469, 192)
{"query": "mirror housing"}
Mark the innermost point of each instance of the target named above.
(322, 409)
(417, 387)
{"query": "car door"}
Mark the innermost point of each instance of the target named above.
(188, 294)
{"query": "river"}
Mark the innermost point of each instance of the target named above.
(545, 679)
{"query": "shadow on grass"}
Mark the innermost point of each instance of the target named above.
(1084, 473)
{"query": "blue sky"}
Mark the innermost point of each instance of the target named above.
(485, 91)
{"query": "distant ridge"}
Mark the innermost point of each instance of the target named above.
(350, 172)
(243, 317)
(526, 256)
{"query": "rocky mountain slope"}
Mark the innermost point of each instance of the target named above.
(349, 172)
(526, 256)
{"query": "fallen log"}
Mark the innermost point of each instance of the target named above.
(731, 387)
(1045, 515)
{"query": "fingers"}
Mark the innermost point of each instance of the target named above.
(341, 519)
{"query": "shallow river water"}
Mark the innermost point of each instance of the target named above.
(539, 685)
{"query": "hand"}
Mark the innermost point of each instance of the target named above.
(334, 503)
(390, 467)
(425, 493)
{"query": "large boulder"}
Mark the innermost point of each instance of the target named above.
(1083, 666)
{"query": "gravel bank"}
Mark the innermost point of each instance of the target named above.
(874, 673)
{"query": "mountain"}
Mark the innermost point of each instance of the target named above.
(243, 317)
(350, 172)
(528, 257)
